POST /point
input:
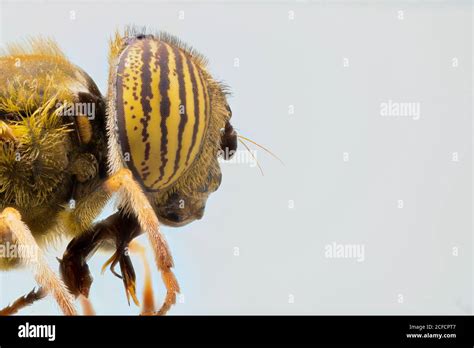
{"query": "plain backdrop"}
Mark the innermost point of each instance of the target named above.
(308, 79)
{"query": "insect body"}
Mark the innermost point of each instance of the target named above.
(43, 162)
(156, 147)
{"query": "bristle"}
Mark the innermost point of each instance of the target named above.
(42, 143)
(34, 46)
(117, 44)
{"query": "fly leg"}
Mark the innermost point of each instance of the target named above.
(12, 228)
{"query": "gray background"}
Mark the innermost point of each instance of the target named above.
(281, 266)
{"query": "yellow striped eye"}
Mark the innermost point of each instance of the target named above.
(162, 108)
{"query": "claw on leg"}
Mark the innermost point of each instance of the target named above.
(148, 304)
(24, 301)
(112, 262)
(117, 230)
(128, 276)
(128, 273)
(121, 229)
(32, 256)
(133, 200)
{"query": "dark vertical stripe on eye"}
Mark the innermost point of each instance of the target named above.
(146, 96)
(182, 104)
(206, 96)
(204, 112)
(207, 108)
(145, 172)
(196, 110)
(164, 105)
(120, 112)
